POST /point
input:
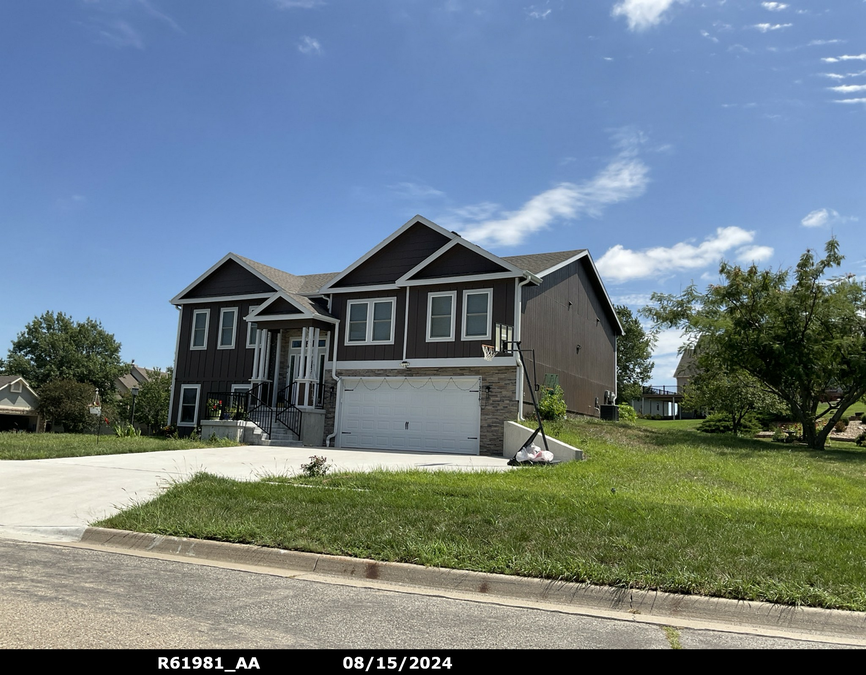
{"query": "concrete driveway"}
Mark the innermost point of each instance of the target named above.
(55, 499)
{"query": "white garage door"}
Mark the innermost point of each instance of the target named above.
(419, 414)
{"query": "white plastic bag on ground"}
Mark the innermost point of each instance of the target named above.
(534, 454)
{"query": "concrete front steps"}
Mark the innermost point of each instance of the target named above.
(282, 437)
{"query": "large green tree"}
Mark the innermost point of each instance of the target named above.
(151, 404)
(68, 403)
(54, 347)
(634, 365)
(798, 332)
(727, 390)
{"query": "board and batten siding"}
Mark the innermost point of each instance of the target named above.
(229, 279)
(554, 329)
(216, 370)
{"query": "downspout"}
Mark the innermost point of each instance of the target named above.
(339, 380)
(518, 306)
(174, 369)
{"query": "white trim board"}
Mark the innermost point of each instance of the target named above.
(472, 362)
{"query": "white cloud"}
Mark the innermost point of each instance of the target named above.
(415, 190)
(642, 14)
(632, 299)
(844, 57)
(153, 11)
(843, 76)
(622, 264)
(849, 88)
(774, 6)
(825, 217)
(816, 43)
(708, 36)
(749, 254)
(765, 27)
(850, 100)
(626, 177)
(309, 45)
(118, 33)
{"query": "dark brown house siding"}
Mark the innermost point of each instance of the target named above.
(216, 370)
(457, 261)
(396, 258)
(568, 310)
(418, 347)
(229, 279)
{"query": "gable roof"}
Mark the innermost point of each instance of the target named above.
(433, 252)
(544, 263)
(6, 380)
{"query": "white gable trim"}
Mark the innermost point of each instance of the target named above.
(176, 300)
(564, 263)
(23, 382)
(328, 287)
(256, 315)
(459, 241)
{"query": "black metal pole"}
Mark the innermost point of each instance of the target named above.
(532, 391)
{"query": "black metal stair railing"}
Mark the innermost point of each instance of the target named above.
(287, 413)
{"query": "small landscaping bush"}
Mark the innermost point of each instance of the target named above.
(722, 424)
(626, 413)
(552, 404)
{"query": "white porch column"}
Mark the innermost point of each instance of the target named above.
(277, 370)
(256, 353)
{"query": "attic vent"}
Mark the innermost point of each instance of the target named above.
(16, 387)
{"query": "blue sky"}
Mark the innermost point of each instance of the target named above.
(144, 139)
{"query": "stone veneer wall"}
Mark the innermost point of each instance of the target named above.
(496, 407)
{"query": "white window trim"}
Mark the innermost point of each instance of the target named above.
(477, 291)
(220, 344)
(194, 423)
(195, 313)
(16, 387)
(430, 296)
(251, 343)
(369, 337)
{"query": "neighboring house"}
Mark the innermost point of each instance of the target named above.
(666, 400)
(388, 353)
(19, 405)
(134, 378)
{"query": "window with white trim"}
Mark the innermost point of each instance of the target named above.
(252, 329)
(477, 305)
(228, 324)
(16, 387)
(440, 316)
(370, 321)
(200, 320)
(187, 415)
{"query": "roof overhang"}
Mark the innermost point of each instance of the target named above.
(179, 299)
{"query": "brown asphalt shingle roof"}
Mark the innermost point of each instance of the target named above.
(538, 262)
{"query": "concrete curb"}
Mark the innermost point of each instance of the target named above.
(758, 615)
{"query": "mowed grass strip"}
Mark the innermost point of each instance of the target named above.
(673, 510)
(49, 446)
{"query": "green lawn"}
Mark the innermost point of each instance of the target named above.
(46, 446)
(658, 508)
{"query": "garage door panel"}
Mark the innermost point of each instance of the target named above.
(416, 414)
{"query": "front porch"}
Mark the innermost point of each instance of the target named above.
(285, 397)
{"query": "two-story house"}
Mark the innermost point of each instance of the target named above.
(388, 353)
